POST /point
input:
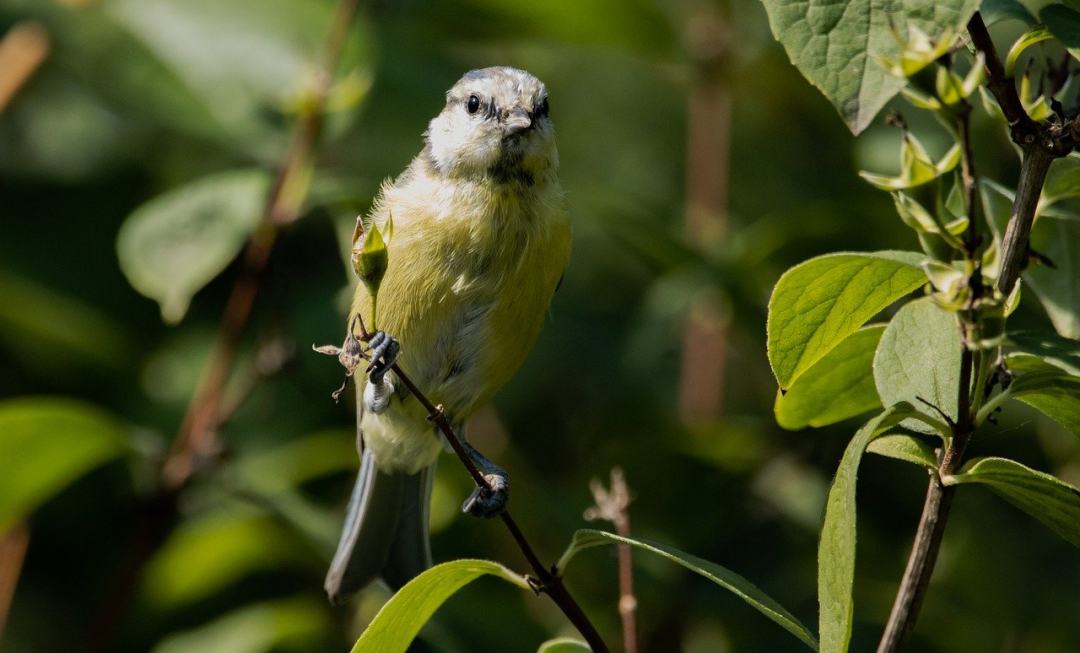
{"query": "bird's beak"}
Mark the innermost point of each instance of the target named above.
(517, 121)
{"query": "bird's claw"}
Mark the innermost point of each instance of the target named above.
(485, 502)
(384, 352)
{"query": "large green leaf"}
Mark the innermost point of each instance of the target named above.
(1050, 347)
(286, 624)
(729, 580)
(176, 243)
(1064, 23)
(1047, 387)
(836, 551)
(207, 554)
(817, 304)
(919, 358)
(1057, 288)
(1044, 497)
(994, 11)
(398, 622)
(835, 44)
(45, 444)
(839, 386)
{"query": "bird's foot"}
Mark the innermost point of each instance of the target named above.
(384, 352)
(487, 501)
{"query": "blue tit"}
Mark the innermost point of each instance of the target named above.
(480, 242)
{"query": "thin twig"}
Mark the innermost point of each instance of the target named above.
(1002, 87)
(197, 435)
(614, 506)
(703, 358)
(22, 51)
(13, 545)
(546, 581)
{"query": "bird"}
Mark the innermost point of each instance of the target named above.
(481, 240)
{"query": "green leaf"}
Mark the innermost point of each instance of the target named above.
(564, 645)
(905, 447)
(916, 166)
(919, 357)
(1057, 289)
(207, 554)
(839, 386)
(1044, 497)
(1050, 347)
(729, 580)
(1062, 182)
(248, 67)
(1047, 388)
(286, 466)
(834, 45)
(38, 325)
(45, 444)
(994, 11)
(1064, 23)
(173, 245)
(398, 622)
(836, 551)
(817, 304)
(286, 624)
(1026, 40)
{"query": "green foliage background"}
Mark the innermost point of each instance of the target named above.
(140, 97)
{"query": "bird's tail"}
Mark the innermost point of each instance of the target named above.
(385, 532)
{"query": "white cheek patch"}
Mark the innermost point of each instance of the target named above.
(459, 144)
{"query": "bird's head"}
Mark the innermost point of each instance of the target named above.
(495, 125)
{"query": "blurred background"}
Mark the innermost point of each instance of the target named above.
(138, 139)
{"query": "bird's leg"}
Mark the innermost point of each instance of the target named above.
(379, 389)
(485, 502)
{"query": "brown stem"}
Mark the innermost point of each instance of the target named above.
(1001, 86)
(547, 581)
(13, 545)
(1014, 247)
(614, 506)
(22, 51)
(198, 437)
(1039, 153)
(705, 331)
(924, 550)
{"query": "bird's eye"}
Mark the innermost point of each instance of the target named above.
(543, 109)
(473, 105)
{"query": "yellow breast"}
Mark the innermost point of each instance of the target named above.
(472, 269)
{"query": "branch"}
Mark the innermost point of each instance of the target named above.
(197, 437)
(22, 51)
(1041, 144)
(546, 581)
(1001, 86)
(1014, 247)
(13, 545)
(614, 506)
